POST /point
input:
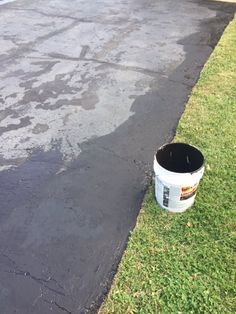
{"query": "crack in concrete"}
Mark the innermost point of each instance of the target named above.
(121, 67)
(41, 281)
(25, 48)
(140, 165)
(111, 64)
(148, 72)
(45, 14)
(80, 20)
(38, 297)
(195, 45)
(62, 308)
(84, 51)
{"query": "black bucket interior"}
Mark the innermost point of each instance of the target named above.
(180, 157)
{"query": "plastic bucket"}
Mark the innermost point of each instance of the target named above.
(178, 169)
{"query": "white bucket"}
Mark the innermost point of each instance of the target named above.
(178, 170)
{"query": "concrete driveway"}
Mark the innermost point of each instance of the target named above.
(88, 90)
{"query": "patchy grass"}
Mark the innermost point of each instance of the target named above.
(185, 263)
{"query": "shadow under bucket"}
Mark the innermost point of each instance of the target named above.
(178, 169)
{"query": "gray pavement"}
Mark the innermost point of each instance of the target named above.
(88, 91)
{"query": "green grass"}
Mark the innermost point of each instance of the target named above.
(185, 263)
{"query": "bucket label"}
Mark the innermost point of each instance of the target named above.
(188, 191)
(166, 195)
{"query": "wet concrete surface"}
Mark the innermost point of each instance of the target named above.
(88, 91)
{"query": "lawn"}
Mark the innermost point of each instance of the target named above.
(185, 263)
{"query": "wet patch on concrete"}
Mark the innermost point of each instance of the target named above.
(54, 90)
(5, 113)
(23, 123)
(40, 128)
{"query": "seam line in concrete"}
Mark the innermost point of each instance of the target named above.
(121, 67)
(23, 48)
(81, 20)
(140, 164)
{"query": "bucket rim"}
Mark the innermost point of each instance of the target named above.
(180, 173)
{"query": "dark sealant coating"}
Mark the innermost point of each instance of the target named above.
(62, 236)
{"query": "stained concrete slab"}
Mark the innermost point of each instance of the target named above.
(88, 91)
